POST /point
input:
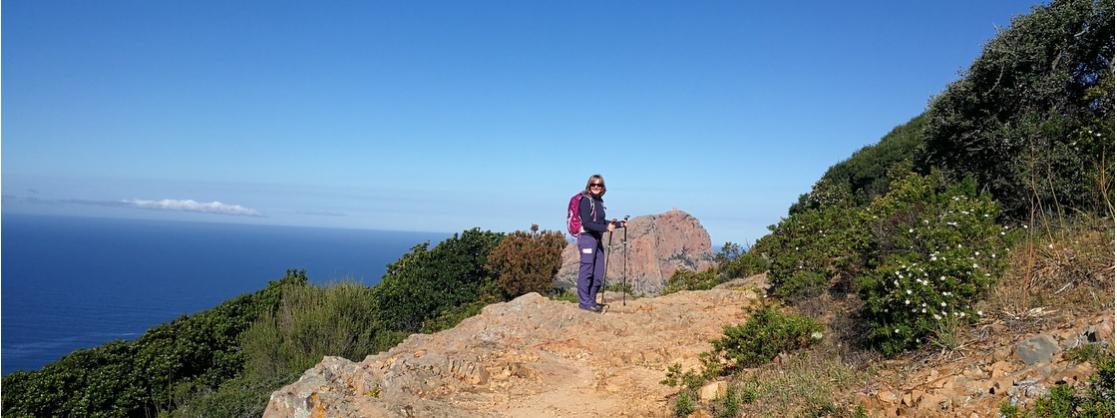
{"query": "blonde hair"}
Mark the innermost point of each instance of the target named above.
(590, 182)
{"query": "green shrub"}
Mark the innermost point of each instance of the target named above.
(526, 262)
(936, 249)
(765, 334)
(312, 322)
(1093, 401)
(809, 247)
(1098, 400)
(730, 405)
(1008, 410)
(742, 265)
(684, 279)
(451, 317)
(426, 281)
(241, 397)
(684, 403)
(1058, 403)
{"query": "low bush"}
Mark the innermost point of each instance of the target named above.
(684, 279)
(1092, 401)
(526, 262)
(765, 334)
(809, 247)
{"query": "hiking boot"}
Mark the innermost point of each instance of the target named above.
(594, 309)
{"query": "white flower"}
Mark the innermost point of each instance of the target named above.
(816, 335)
(910, 230)
(943, 304)
(937, 317)
(977, 253)
(979, 313)
(934, 258)
(896, 283)
(907, 302)
(909, 291)
(974, 265)
(897, 330)
(924, 310)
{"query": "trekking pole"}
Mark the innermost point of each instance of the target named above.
(606, 266)
(624, 270)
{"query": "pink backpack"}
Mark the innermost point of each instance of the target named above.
(574, 213)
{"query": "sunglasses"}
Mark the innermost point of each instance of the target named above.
(597, 185)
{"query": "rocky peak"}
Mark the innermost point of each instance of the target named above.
(658, 245)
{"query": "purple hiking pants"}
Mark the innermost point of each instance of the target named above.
(591, 270)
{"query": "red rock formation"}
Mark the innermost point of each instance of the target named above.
(657, 246)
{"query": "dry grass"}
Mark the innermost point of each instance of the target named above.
(809, 383)
(1057, 270)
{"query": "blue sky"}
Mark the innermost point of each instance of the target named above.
(436, 116)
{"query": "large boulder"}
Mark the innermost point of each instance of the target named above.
(658, 245)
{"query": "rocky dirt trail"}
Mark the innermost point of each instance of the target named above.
(531, 357)
(997, 365)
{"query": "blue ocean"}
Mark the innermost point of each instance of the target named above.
(72, 282)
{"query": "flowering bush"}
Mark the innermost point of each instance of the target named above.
(935, 248)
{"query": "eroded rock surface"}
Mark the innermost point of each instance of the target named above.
(530, 357)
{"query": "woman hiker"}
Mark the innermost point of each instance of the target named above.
(591, 271)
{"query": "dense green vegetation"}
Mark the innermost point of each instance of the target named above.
(910, 234)
(425, 282)
(138, 378)
(226, 361)
(1032, 120)
(1026, 135)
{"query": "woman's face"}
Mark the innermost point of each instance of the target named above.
(597, 187)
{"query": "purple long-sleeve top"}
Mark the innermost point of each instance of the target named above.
(592, 212)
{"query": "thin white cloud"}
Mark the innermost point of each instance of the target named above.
(189, 205)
